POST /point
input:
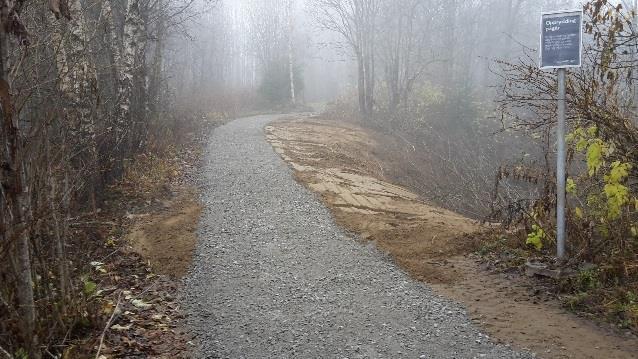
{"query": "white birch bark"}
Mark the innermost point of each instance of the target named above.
(78, 86)
(130, 46)
(77, 75)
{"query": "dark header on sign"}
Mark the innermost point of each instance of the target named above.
(561, 39)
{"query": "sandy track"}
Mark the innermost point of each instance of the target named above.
(274, 276)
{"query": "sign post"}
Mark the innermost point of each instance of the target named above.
(561, 48)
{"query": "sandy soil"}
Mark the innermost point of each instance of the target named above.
(166, 237)
(337, 161)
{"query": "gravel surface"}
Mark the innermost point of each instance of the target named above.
(274, 277)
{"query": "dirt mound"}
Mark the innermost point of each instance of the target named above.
(166, 238)
(337, 161)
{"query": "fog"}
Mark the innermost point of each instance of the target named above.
(428, 72)
(111, 108)
(413, 44)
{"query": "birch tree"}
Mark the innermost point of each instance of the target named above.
(131, 44)
(78, 86)
(56, 144)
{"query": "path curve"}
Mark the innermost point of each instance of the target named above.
(274, 277)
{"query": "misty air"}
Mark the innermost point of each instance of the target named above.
(318, 179)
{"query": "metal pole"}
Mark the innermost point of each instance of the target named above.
(561, 158)
(632, 49)
(634, 27)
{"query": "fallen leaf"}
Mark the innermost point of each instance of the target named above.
(141, 304)
(120, 327)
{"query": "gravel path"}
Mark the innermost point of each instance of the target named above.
(274, 277)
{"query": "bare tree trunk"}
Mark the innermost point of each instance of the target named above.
(355, 20)
(14, 199)
(140, 84)
(78, 86)
(130, 44)
(369, 77)
(59, 225)
(361, 85)
(115, 56)
(401, 48)
(394, 50)
(450, 42)
(393, 67)
(24, 276)
(61, 62)
(156, 74)
(114, 53)
(291, 69)
(367, 36)
(368, 73)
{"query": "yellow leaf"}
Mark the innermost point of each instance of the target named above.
(571, 186)
(619, 171)
(536, 237)
(595, 156)
(579, 212)
(617, 197)
(581, 144)
(108, 307)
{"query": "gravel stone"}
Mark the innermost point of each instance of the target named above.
(274, 277)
